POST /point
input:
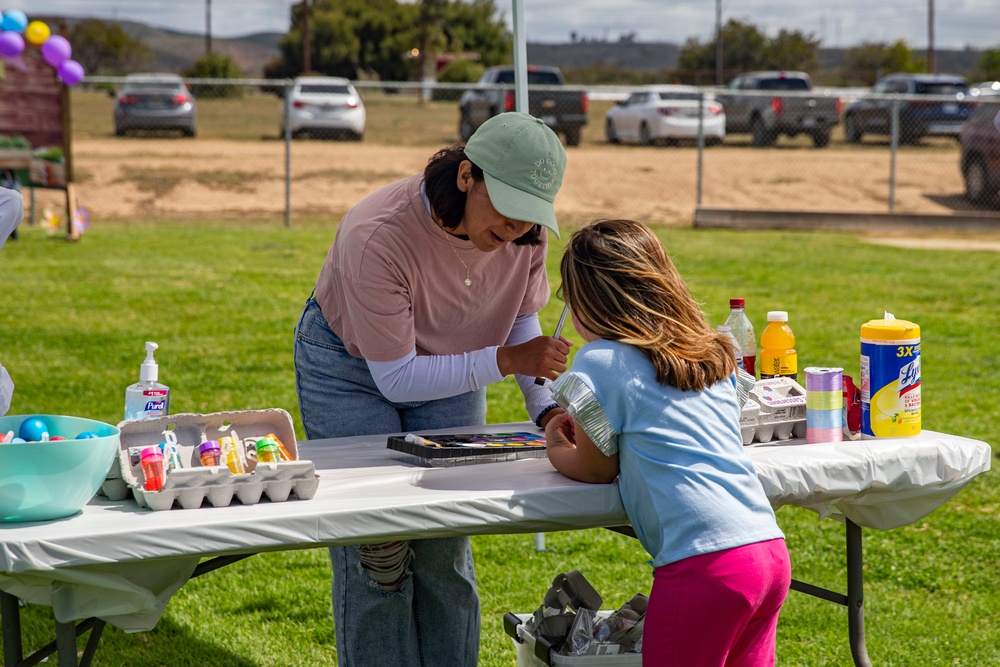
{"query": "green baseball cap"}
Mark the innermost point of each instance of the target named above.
(524, 163)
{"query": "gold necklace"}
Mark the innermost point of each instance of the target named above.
(468, 271)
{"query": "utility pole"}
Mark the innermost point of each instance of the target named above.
(931, 67)
(306, 60)
(718, 42)
(208, 26)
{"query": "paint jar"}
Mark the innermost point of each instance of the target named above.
(210, 453)
(890, 378)
(153, 470)
(229, 445)
(267, 451)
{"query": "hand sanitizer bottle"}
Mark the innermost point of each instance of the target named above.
(147, 398)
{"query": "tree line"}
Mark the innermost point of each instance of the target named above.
(389, 40)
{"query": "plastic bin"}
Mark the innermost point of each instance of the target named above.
(532, 653)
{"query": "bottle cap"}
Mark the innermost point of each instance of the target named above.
(151, 454)
(148, 371)
(209, 446)
(777, 316)
(737, 303)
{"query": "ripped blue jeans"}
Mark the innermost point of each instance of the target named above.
(399, 604)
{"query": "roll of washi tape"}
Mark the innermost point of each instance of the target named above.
(824, 379)
(825, 400)
(824, 419)
(815, 435)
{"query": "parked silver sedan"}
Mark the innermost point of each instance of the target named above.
(155, 102)
(666, 113)
(325, 106)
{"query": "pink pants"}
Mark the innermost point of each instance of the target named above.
(717, 609)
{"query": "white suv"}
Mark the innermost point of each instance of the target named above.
(324, 106)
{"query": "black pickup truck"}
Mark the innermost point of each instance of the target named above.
(563, 109)
(768, 104)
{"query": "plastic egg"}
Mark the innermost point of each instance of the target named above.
(85, 435)
(56, 438)
(34, 429)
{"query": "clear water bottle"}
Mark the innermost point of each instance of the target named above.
(725, 330)
(742, 330)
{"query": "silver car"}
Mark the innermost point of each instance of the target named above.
(667, 113)
(325, 106)
(155, 102)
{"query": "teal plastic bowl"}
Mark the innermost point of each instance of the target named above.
(40, 481)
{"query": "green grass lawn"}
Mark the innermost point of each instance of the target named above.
(222, 300)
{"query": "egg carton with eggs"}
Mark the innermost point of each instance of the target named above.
(192, 484)
(776, 410)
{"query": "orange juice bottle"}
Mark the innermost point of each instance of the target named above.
(778, 357)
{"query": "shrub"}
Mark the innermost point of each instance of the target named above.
(214, 66)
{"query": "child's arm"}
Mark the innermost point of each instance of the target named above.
(574, 454)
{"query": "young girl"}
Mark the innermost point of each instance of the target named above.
(652, 399)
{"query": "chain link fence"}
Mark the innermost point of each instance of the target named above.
(892, 153)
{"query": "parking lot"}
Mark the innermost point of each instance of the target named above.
(236, 168)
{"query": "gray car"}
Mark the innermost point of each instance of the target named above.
(155, 102)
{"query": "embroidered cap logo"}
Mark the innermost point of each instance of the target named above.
(544, 173)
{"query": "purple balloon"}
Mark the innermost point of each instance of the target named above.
(56, 50)
(11, 44)
(70, 72)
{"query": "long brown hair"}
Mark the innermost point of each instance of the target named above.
(622, 286)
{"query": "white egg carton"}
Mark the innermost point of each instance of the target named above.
(193, 484)
(776, 410)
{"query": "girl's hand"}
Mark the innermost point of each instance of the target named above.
(542, 356)
(560, 431)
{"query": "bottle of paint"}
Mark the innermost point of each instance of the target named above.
(267, 451)
(210, 453)
(147, 398)
(890, 378)
(778, 357)
(744, 334)
(153, 470)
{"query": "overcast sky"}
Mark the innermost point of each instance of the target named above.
(957, 24)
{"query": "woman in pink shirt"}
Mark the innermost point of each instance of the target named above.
(429, 293)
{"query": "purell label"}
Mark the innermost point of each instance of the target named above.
(155, 406)
(153, 393)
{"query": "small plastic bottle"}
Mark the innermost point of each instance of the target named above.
(744, 334)
(147, 398)
(153, 470)
(267, 451)
(210, 453)
(778, 357)
(737, 351)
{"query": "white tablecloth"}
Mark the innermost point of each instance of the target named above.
(122, 564)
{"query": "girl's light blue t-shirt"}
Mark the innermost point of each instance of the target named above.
(687, 483)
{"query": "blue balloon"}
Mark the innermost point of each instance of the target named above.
(14, 20)
(87, 435)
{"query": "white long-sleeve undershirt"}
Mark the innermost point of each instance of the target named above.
(425, 378)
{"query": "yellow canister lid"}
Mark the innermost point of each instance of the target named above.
(890, 330)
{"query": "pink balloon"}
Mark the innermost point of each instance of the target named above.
(11, 44)
(70, 72)
(56, 50)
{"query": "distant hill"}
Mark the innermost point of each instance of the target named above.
(173, 51)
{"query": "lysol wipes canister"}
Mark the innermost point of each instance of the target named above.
(890, 378)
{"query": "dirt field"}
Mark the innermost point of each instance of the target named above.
(141, 179)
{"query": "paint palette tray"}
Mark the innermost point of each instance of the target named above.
(443, 450)
(776, 410)
(194, 484)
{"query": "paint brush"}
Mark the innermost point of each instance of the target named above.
(559, 328)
